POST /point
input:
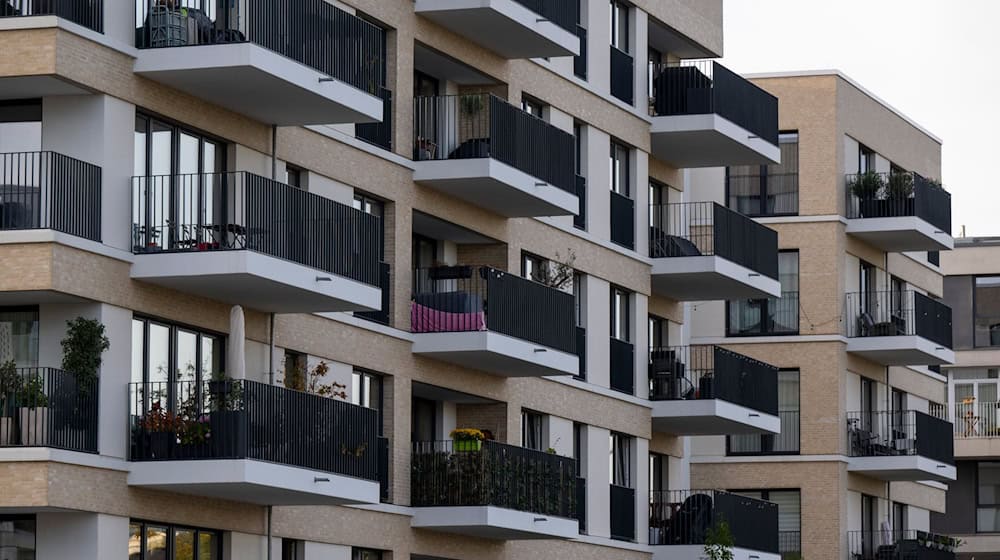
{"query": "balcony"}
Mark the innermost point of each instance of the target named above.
(47, 190)
(898, 328)
(493, 490)
(900, 445)
(899, 212)
(86, 13)
(705, 251)
(45, 407)
(481, 149)
(323, 63)
(488, 319)
(679, 521)
(511, 28)
(709, 390)
(900, 545)
(244, 239)
(705, 115)
(252, 442)
(976, 428)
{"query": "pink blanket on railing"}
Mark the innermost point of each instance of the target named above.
(425, 319)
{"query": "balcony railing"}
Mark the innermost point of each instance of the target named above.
(488, 473)
(481, 125)
(46, 190)
(581, 504)
(580, 219)
(897, 544)
(622, 75)
(385, 284)
(785, 443)
(88, 13)
(622, 509)
(684, 517)
(580, 60)
(312, 32)
(563, 13)
(480, 298)
(900, 433)
(45, 407)
(380, 133)
(974, 420)
(581, 352)
(894, 195)
(622, 220)
(897, 313)
(622, 367)
(694, 229)
(704, 87)
(764, 317)
(242, 211)
(712, 372)
(241, 419)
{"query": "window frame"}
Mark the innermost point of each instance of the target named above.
(979, 503)
(619, 167)
(975, 311)
(765, 305)
(620, 296)
(763, 175)
(620, 457)
(171, 536)
(769, 440)
(532, 424)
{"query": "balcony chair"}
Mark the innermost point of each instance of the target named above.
(663, 245)
(668, 377)
(867, 326)
(690, 522)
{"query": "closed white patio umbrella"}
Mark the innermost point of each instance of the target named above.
(236, 352)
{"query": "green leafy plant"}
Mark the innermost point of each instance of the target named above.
(466, 434)
(866, 186)
(900, 185)
(311, 381)
(32, 394)
(83, 346)
(10, 384)
(719, 541)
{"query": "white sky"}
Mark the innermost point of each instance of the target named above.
(937, 61)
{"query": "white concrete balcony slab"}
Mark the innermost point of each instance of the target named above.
(494, 523)
(902, 468)
(903, 233)
(901, 350)
(900, 445)
(709, 277)
(508, 27)
(706, 417)
(496, 353)
(697, 552)
(898, 328)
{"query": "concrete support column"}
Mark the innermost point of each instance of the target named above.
(82, 536)
(598, 481)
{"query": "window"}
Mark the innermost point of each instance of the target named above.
(532, 106)
(986, 302)
(619, 26)
(152, 541)
(789, 504)
(534, 267)
(17, 537)
(659, 330)
(580, 219)
(767, 317)
(659, 472)
(621, 460)
(767, 190)
(531, 430)
(988, 497)
(658, 197)
(785, 443)
(425, 85)
(899, 519)
(620, 169)
(20, 126)
(175, 359)
(620, 314)
(934, 258)
(19, 335)
(294, 177)
(869, 526)
(366, 389)
(868, 287)
(579, 300)
(292, 549)
(366, 554)
(866, 159)
(578, 447)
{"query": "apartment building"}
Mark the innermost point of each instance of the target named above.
(970, 289)
(264, 258)
(859, 333)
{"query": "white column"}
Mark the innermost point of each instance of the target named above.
(598, 294)
(598, 24)
(640, 54)
(558, 435)
(640, 341)
(641, 484)
(597, 166)
(81, 536)
(598, 482)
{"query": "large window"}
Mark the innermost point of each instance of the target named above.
(155, 541)
(366, 554)
(620, 314)
(988, 497)
(987, 311)
(659, 472)
(767, 190)
(17, 537)
(19, 335)
(785, 443)
(20, 125)
(531, 430)
(771, 316)
(619, 25)
(621, 460)
(175, 359)
(619, 168)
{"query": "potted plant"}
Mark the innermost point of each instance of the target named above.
(866, 187)
(83, 346)
(899, 191)
(719, 541)
(159, 428)
(227, 419)
(467, 439)
(33, 410)
(10, 384)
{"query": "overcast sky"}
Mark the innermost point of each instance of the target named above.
(937, 61)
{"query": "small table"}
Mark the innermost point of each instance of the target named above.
(971, 424)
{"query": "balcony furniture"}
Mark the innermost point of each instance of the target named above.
(663, 245)
(691, 521)
(447, 312)
(896, 326)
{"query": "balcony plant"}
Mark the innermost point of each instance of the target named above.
(33, 410)
(867, 187)
(159, 428)
(467, 439)
(83, 346)
(899, 191)
(227, 416)
(719, 541)
(10, 384)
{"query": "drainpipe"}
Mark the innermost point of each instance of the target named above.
(270, 353)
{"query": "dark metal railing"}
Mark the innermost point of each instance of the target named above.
(564, 13)
(712, 372)
(580, 60)
(581, 352)
(580, 219)
(380, 133)
(243, 211)
(312, 32)
(46, 190)
(897, 313)
(699, 87)
(790, 545)
(764, 317)
(481, 125)
(684, 517)
(692, 229)
(900, 432)
(763, 194)
(785, 443)
(385, 284)
(481, 298)
(581, 504)
(622, 368)
(88, 13)
(897, 194)
(383, 469)
(622, 75)
(46, 407)
(622, 513)
(242, 419)
(622, 220)
(900, 544)
(488, 473)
